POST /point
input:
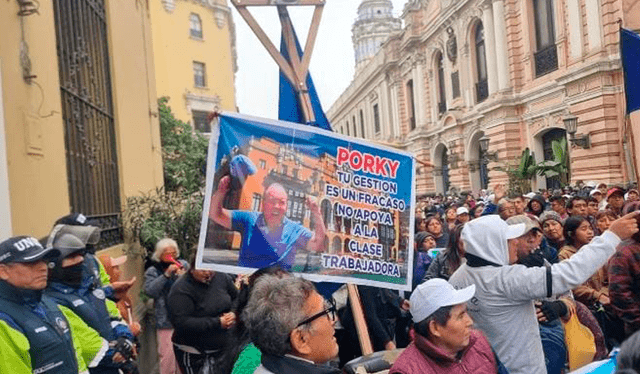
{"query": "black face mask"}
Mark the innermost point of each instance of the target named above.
(71, 275)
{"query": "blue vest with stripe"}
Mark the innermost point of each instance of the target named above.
(40, 320)
(88, 304)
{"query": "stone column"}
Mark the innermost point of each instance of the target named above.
(502, 56)
(385, 116)
(575, 28)
(395, 110)
(594, 24)
(490, 47)
(418, 84)
(433, 94)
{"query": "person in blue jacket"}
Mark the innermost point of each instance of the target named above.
(71, 287)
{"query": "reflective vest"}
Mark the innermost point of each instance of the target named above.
(51, 346)
(90, 305)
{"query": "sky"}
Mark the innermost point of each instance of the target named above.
(332, 62)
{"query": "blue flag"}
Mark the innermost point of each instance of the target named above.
(289, 108)
(630, 54)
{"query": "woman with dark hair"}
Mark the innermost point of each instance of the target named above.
(476, 211)
(449, 260)
(603, 220)
(434, 227)
(424, 241)
(200, 306)
(624, 273)
(578, 232)
(594, 293)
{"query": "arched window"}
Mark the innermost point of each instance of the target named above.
(546, 55)
(482, 86)
(362, 124)
(353, 120)
(327, 214)
(195, 26)
(336, 246)
(442, 97)
(348, 131)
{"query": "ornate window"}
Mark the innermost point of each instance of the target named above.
(195, 26)
(546, 55)
(200, 121)
(348, 131)
(442, 96)
(256, 202)
(361, 123)
(376, 119)
(199, 74)
(482, 86)
(353, 120)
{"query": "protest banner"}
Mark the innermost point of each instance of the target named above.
(326, 206)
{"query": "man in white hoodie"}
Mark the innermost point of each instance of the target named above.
(503, 306)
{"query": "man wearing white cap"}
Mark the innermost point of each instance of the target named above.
(503, 306)
(444, 340)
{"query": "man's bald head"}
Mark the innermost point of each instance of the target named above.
(274, 206)
(275, 190)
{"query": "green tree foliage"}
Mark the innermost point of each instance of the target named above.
(184, 153)
(174, 211)
(559, 166)
(520, 174)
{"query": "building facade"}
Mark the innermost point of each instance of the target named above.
(508, 70)
(78, 117)
(195, 57)
(78, 113)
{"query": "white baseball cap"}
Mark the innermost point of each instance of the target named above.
(462, 210)
(434, 294)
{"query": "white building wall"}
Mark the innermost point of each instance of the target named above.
(6, 230)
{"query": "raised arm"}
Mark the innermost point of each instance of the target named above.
(217, 213)
(530, 283)
(316, 243)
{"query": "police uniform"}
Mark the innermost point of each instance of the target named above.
(36, 335)
(73, 288)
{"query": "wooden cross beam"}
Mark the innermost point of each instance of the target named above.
(296, 69)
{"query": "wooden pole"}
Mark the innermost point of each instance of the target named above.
(359, 320)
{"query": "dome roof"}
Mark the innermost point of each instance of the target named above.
(375, 8)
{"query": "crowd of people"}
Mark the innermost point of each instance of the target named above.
(537, 260)
(497, 279)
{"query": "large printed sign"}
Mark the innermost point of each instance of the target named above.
(329, 207)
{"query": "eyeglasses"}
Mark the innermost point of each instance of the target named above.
(330, 310)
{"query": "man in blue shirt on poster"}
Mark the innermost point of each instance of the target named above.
(268, 237)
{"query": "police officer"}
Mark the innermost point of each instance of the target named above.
(92, 266)
(70, 286)
(36, 335)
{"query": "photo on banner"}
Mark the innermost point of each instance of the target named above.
(328, 207)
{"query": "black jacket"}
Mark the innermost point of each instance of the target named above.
(195, 309)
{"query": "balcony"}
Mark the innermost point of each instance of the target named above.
(546, 60)
(482, 90)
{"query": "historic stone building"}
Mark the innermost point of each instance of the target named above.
(512, 71)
